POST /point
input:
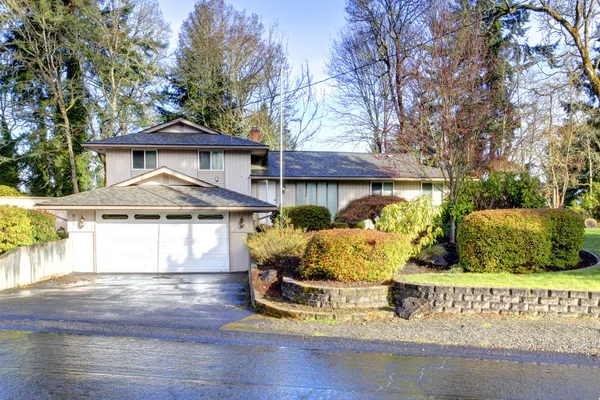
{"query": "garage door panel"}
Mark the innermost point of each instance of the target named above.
(200, 247)
(127, 247)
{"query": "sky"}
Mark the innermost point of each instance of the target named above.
(309, 25)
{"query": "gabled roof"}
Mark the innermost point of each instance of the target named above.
(187, 134)
(181, 121)
(340, 165)
(164, 171)
(159, 197)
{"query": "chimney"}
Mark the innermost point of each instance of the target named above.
(255, 134)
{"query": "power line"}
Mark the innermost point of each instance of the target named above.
(411, 48)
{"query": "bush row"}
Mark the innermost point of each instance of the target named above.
(349, 255)
(519, 240)
(22, 227)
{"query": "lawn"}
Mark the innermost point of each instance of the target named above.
(585, 279)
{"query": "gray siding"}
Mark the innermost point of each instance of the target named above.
(239, 255)
(237, 171)
(118, 166)
(407, 190)
(350, 190)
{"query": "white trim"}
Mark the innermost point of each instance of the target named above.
(144, 150)
(182, 121)
(211, 160)
(382, 182)
(164, 171)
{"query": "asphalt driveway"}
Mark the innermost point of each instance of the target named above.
(194, 301)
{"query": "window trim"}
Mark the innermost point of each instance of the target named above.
(211, 160)
(382, 182)
(144, 169)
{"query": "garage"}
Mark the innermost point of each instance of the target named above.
(161, 242)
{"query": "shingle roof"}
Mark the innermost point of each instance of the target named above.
(325, 164)
(176, 139)
(160, 196)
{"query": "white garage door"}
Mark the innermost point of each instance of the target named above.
(147, 242)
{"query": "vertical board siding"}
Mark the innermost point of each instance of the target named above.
(350, 190)
(239, 255)
(184, 161)
(407, 190)
(118, 166)
(237, 171)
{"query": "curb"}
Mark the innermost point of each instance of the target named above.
(275, 309)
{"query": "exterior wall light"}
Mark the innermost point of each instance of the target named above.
(242, 222)
(81, 222)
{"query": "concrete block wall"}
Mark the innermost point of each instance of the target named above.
(29, 264)
(502, 300)
(336, 297)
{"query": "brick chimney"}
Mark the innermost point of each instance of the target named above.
(255, 134)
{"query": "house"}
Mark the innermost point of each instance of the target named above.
(180, 197)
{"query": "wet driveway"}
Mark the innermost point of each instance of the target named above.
(194, 301)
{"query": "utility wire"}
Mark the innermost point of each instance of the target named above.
(411, 48)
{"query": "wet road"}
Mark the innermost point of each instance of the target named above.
(135, 337)
(50, 365)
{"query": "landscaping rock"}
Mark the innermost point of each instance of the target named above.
(591, 223)
(412, 307)
(437, 261)
(269, 276)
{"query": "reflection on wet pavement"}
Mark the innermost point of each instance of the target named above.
(51, 365)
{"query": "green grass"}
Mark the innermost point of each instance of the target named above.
(585, 279)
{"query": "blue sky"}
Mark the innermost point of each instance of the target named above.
(309, 26)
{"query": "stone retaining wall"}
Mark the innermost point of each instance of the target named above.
(494, 300)
(336, 297)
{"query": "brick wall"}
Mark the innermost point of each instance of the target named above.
(336, 297)
(501, 300)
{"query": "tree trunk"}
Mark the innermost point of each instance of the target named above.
(69, 140)
(452, 230)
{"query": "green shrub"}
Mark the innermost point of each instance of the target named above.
(311, 218)
(498, 190)
(519, 240)
(42, 226)
(349, 255)
(416, 218)
(368, 207)
(7, 191)
(274, 244)
(339, 225)
(15, 228)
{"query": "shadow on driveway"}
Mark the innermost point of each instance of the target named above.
(191, 301)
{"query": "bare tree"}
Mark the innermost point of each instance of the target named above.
(578, 21)
(445, 124)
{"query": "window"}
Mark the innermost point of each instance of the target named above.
(210, 216)
(146, 216)
(210, 160)
(144, 159)
(382, 188)
(179, 216)
(433, 190)
(318, 194)
(114, 216)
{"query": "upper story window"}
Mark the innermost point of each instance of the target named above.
(382, 188)
(145, 159)
(210, 160)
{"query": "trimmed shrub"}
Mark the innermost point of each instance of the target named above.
(42, 226)
(339, 225)
(7, 191)
(368, 207)
(519, 240)
(311, 218)
(416, 218)
(15, 228)
(274, 244)
(349, 255)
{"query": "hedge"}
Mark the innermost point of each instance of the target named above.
(349, 255)
(15, 228)
(42, 226)
(311, 218)
(7, 191)
(519, 240)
